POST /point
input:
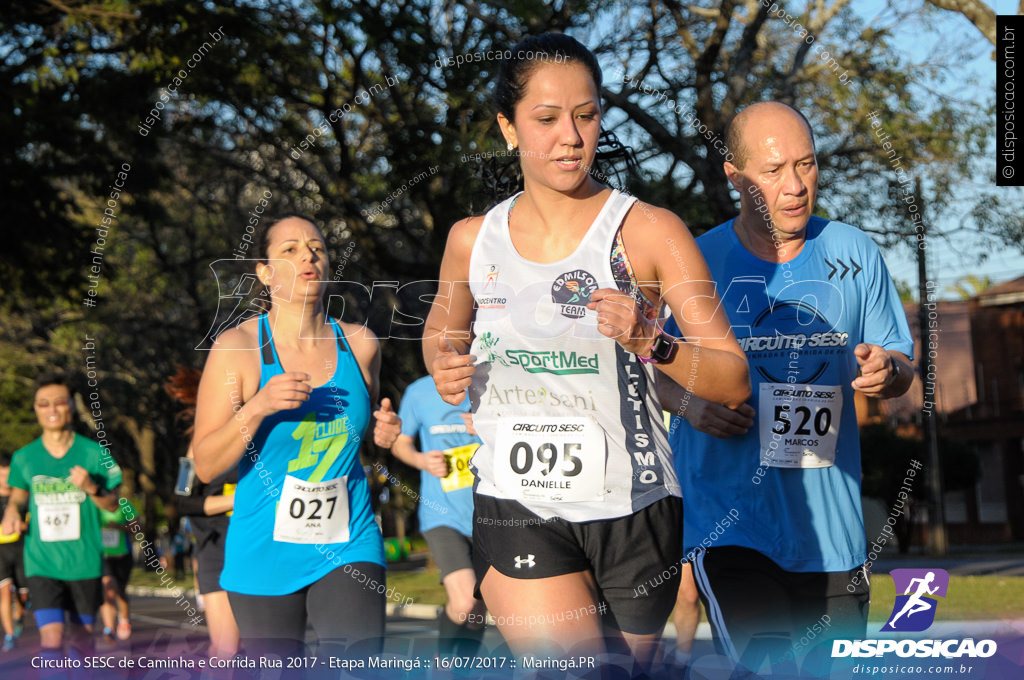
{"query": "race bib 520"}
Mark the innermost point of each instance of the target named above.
(799, 424)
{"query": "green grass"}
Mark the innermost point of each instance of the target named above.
(422, 586)
(969, 598)
(145, 577)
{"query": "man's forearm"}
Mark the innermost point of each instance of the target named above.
(902, 376)
(218, 505)
(18, 499)
(104, 500)
(404, 449)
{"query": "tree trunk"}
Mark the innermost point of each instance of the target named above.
(145, 442)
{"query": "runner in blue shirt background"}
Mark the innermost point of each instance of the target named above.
(446, 504)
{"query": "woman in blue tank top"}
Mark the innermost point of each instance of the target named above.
(286, 397)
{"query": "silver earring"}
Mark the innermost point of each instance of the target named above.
(511, 146)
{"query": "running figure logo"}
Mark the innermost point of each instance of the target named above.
(235, 302)
(914, 610)
(491, 278)
(487, 343)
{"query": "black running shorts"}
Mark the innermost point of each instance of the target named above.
(634, 559)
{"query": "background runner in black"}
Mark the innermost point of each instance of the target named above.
(208, 507)
(12, 568)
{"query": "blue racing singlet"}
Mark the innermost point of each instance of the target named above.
(302, 505)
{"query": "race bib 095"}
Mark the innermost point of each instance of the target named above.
(550, 459)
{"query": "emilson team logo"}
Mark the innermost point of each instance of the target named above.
(571, 292)
(914, 610)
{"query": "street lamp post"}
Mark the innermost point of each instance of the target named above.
(937, 544)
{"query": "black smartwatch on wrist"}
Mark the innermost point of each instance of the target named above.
(894, 371)
(662, 349)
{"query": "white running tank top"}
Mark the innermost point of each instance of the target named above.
(570, 422)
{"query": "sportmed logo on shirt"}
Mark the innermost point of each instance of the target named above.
(552, 361)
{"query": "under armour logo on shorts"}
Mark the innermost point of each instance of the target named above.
(528, 561)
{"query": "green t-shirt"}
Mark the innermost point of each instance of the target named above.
(115, 540)
(63, 539)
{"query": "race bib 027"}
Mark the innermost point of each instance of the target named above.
(312, 512)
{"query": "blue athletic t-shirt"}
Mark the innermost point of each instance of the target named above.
(444, 502)
(790, 487)
(287, 499)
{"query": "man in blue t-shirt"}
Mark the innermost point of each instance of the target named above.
(771, 490)
(446, 504)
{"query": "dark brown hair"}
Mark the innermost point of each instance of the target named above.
(53, 378)
(531, 53)
(184, 386)
(263, 238)
(261, 298)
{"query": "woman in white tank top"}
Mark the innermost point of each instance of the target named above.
(558, 355)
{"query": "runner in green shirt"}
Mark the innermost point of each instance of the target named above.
(64, 478)
(12, 568)
(117, 568)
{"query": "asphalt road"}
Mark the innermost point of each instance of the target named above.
(162, 631)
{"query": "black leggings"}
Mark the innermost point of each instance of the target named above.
(344, 607)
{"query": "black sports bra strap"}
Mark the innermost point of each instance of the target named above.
(342, 347)
(266, 343)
